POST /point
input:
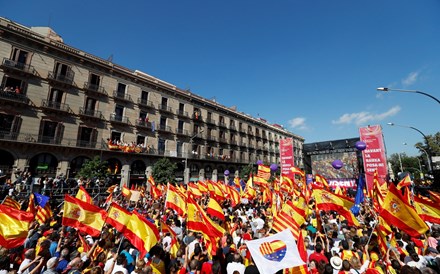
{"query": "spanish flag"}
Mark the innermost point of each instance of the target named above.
(83, 216)
(118, 217)
(126, 192)
(198, 221)
(83, 195)
(14, 226)
(175, 200)
(8, 201)
(203, 187)
(321, 181)
(174, 245)
(32, 207)
(155, 192)
(141, 233)
(434, 196)
(215, 210)
(428, 211)
(326, 200)
(400, 214)
(194, 190)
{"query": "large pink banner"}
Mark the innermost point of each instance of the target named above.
(286, 157)
(374, 155)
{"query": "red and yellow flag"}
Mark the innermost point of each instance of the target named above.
(8, 201)
(118, 217)
(263, 172)
(83, 216)
(321, 181)
(44, 214)
(32, 207)
(215, 210)
(406, 181)
(428, 211)
(234, 196)
(155, 192)
(174, 245)
(126, 192)
(198, 221)
(326, 200)
(401, 214)
(83, 195)
(194, 190)
(434, 196)
(175, 200)
(142, 233)
(14, 226)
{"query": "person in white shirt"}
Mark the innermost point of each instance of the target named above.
(29, 256)
(236, 265)
(121, 261)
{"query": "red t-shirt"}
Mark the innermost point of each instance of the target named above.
(318, 257)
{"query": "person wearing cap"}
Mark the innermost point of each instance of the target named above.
(51, 266)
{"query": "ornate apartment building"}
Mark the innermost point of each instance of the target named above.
(60, 106)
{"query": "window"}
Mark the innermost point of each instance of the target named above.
(179, 146)
(181, 107)
(20, 56)
(51, 132)
(164, 101)
(161, 146)
(140, 140)
(119, 112)
(12, 84)
(180, 125)
(87, 137)
(115, 137)
(56, 96)
(90, 104)
(209, 116)
(94, 80)
(144, 95)
(63, 71)
(163, 122)
(121, 90)
(6, 122)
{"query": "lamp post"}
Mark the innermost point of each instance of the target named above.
(428, 158)
(385, 89)
(428, 155)
(186, 172)
(400, 161)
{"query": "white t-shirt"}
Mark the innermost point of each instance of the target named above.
(119, 268)
(108, 264)
(22, 265)
(233, 266)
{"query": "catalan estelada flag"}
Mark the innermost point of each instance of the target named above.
(83, 195)
(325, 200)
(8, 201)
(234, 196)
(400, 214)
(83, 216)
(406, 181)
(215, 210)
(14, 226)
(428, 211)
(141, 233)
(118, 217)
(175, 200)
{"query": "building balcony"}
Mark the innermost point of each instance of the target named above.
(54, 106)
(222, 124)
(211, 138)
(233, 142)
(165, 108)
(145, 103)
(119, 119)
(181, 131)
(182, 113)
(164, 129)
(197, 118)
(223, 140)
(14, 66)
(12, 97)
(121, 96)
(242, 144)
(94, 89)
(250, 132)
(90, 114)
(211, 121)
(232, 128)
(65, 80)
(143, 124)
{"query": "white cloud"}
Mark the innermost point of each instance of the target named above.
(410, 79)
(298, 122)
(364, 117)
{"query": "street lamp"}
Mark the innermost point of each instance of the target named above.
(384, 89)
(186, 173)
(428, 155)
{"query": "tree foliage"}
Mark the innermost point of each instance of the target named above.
(409, 164)
(434, 145)
(164, 171)
(94, 168)
(245, 171)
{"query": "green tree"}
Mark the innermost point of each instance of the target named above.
(164, 171)
(434, 144)
(409, 164)
(94, 168)
(245, 171)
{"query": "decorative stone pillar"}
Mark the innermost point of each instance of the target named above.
(214, 177)
(202, 175)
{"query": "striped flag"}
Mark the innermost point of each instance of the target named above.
(14, 226)
(32, 207)
(263, 172)
(44, 214)
(8, 201)
(83, 195)
(215, 210)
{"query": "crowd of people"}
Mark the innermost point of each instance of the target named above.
(331, 244)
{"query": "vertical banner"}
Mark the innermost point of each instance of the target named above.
(286, 157)
(374, 155)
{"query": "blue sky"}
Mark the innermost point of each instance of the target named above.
(312, 66)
